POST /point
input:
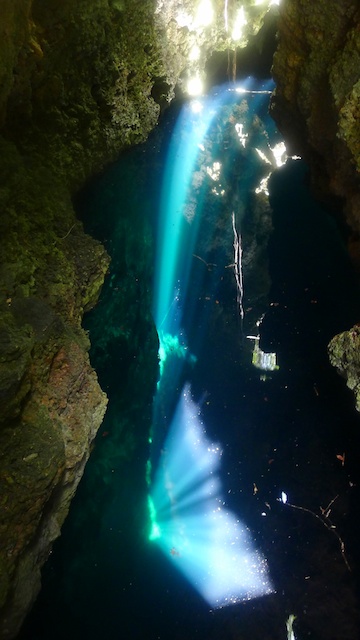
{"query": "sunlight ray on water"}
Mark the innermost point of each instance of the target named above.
(206, 542)
(190, 522)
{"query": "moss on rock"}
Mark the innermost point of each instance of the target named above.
(76, 82)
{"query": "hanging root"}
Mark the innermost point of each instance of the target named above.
(324, 519)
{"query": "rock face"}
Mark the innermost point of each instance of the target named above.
(316, 106)
(344, 355)
(316, 102)
(66, 73)
(79, 82)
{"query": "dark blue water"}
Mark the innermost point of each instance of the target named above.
(280, 430)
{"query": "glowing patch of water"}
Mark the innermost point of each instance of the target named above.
(190, 522)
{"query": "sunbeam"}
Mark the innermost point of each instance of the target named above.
(190, 522)
(209, 544)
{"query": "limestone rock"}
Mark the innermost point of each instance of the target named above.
(53, 407)
(344, 355)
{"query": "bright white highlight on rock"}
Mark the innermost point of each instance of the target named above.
(195, 86)
(263, 186)
(184, 19)
(214, 171)
(218, 193)
(226, 16)
(204, 14)
(262, 155)
(239, 24)
(276, 158)
(204, 540)
(279, 153)
(194, 53)
(239, 128)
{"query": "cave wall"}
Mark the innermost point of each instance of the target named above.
(79, 83)
(316, 106)
(316, 102)
(75, 85)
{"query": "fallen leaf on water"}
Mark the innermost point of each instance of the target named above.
(341, 458)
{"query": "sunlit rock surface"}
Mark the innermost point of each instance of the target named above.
(191, 30)
(316, 103)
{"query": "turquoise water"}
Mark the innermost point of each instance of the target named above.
(279, 430)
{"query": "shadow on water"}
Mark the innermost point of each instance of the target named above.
(280, 432)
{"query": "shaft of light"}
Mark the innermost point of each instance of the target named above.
(205, 541)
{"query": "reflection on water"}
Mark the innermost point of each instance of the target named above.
(279, 431)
